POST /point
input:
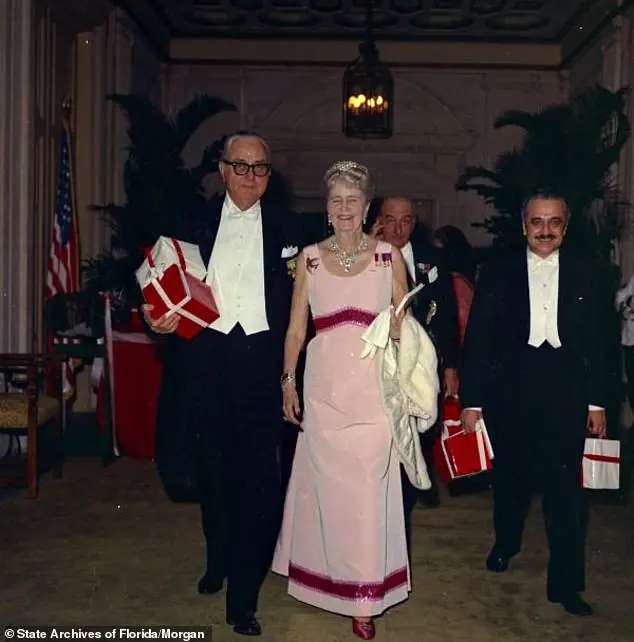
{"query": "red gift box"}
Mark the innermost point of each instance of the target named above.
(171, 280)
(452, 424)
(458, 453)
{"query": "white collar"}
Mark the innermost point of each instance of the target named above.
(407, 249)
(407, 252)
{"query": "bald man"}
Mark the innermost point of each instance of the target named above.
(434, 308)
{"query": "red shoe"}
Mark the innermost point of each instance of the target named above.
(363, 629)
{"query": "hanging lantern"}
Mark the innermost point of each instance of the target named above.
(368, 91)
(368, 97)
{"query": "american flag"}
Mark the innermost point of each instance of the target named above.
(63, 265)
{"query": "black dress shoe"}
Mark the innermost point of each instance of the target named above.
(246, 624)
(574, 605)
(498, 562)
(208, 586)
(430, 498)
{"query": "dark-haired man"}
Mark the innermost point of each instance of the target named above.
(534, 367)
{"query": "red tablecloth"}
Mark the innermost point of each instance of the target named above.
(137, 376)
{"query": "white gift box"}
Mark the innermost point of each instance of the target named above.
(601, 464)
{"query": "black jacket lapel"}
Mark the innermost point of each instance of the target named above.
(271, 249)
(521, 300)
(564, 292)
(208, 227)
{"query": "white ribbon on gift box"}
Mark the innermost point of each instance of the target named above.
(484, 447)
(156, 272)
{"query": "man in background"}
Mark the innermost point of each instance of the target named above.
(434, 308)
(625, 305)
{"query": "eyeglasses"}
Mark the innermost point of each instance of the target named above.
(240, 168)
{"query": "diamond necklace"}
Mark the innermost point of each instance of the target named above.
(348, 259)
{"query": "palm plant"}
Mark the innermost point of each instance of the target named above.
(570, 148)
(158, 187)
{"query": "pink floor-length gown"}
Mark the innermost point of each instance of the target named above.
(342, 543)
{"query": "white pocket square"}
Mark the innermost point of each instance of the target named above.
(289, 251)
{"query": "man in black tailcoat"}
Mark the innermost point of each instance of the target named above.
(220, 394)
(535, 368)
(434, 308)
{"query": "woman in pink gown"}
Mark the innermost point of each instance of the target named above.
(342, 543)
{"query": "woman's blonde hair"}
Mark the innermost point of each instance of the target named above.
(353, 174)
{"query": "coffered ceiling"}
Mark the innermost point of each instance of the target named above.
(475, 20)
(509, 33)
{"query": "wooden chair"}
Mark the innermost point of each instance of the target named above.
(28, 411)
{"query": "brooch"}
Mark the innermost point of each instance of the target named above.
(291, 267)
(311, 264)
(431, 313)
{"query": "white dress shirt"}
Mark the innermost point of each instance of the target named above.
(543, 289)
(623, 302)
(408, 256)
(236, 270)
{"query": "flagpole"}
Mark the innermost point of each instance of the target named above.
(62, 276)
(40, 332)
(67, 107)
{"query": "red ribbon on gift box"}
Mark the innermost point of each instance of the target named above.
(609, 459)
(179, 254)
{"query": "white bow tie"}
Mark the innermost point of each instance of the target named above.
(536, 262)
(236, 212)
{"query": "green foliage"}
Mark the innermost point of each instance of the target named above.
(158, 186)
(570, 148)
